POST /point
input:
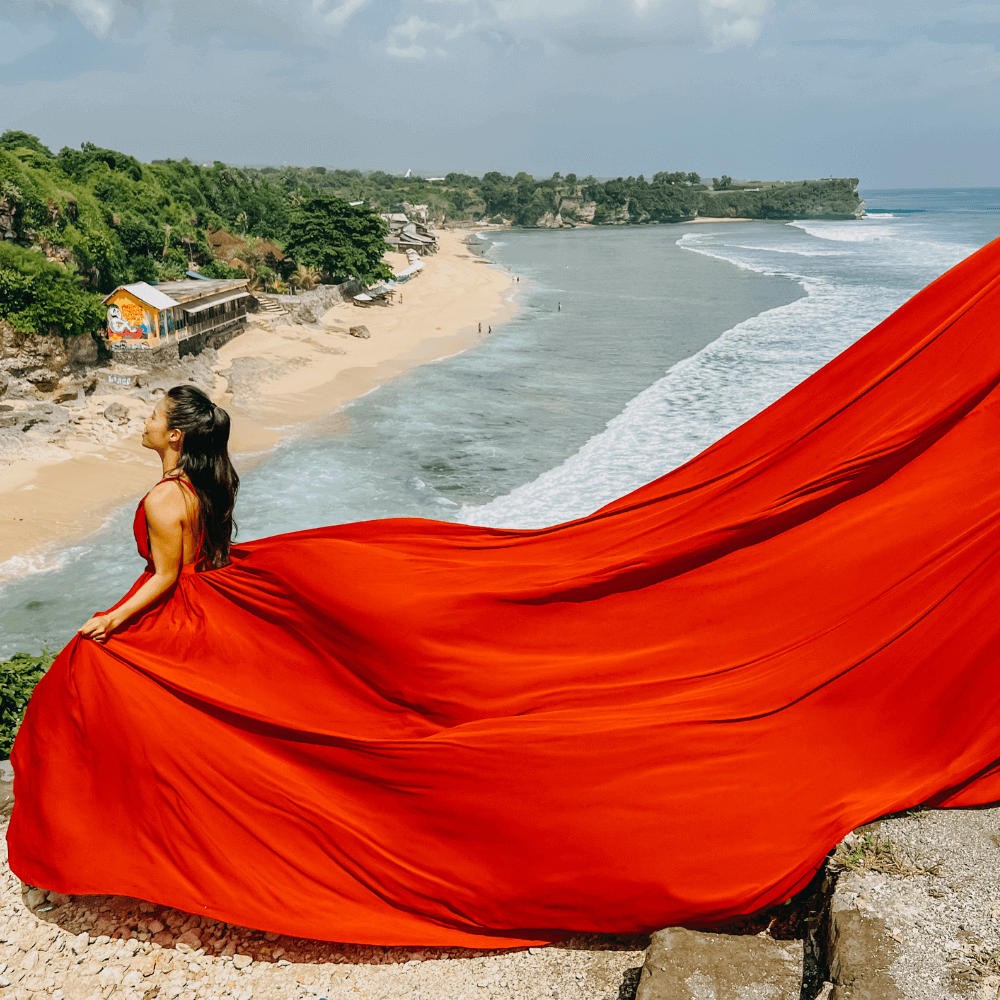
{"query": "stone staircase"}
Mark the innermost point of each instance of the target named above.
(270, 307)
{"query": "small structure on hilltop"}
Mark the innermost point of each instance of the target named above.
(150, 326)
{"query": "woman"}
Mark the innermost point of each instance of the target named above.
(414, 732)
(188, 515)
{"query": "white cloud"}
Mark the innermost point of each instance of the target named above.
(305, 19)
(430, 28)
(333, 16)
(403, 41)
(733, 22)
(582, 25)
(96, 16)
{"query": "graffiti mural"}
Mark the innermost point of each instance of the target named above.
(127, 321)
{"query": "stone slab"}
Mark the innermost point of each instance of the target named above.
(688, 965)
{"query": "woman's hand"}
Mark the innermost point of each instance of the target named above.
(99, 627)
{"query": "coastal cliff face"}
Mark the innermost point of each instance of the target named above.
(835, 198)
(575, 212)
(827, 199)
(41, 363)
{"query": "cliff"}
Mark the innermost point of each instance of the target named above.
(640, 203)
(835, 198)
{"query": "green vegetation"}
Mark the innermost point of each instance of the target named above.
(874, 852)
(38, 296)
(525, 200)
(18, 677)
(785, 201)
(76, 224)
(340, 239)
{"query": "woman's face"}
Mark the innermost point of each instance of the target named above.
(156, 434)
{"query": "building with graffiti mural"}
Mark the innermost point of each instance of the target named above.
(152, 325)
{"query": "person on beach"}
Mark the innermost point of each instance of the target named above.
(423, 732)
(189, 512)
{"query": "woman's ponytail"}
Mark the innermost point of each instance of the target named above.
(205, 461)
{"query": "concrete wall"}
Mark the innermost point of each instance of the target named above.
(168, 354)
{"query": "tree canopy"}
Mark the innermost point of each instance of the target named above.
(340, 239)
(38, 296)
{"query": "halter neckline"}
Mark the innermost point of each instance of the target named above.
(176, 479)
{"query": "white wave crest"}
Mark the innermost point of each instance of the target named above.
(846, 232)
(698, 401)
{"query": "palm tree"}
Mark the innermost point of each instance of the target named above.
(305, 278)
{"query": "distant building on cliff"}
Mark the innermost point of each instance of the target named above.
(152, 325)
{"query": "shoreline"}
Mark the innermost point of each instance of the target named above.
(276, 380)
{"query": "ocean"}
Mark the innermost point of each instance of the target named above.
(632, 350)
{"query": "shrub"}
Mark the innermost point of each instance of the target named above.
(38, 296)
(18, 677)
(219, 269)
(15, 139)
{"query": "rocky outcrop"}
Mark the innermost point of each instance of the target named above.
(44, 367)
(915, 913)
(688, 965)
(26, 423)
(835, 198)
(827, 199)
(550, 221)
(6, 788)
(309, 307)
(8, 208)
(572, 213)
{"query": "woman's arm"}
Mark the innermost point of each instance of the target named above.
(166, 512)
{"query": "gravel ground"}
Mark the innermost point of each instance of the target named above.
(99, 946)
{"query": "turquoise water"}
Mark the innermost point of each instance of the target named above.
(633, 349)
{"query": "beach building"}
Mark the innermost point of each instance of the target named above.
(406, 235)
(152, 325)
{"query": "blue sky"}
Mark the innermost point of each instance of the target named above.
(899, 94)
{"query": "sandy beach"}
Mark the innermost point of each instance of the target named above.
(274, 379)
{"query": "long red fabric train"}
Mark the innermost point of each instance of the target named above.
(406, 731)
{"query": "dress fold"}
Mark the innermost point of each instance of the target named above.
(415, 732)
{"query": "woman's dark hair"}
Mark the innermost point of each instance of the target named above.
(205, 461)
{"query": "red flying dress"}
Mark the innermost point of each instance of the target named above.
(414, 732)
